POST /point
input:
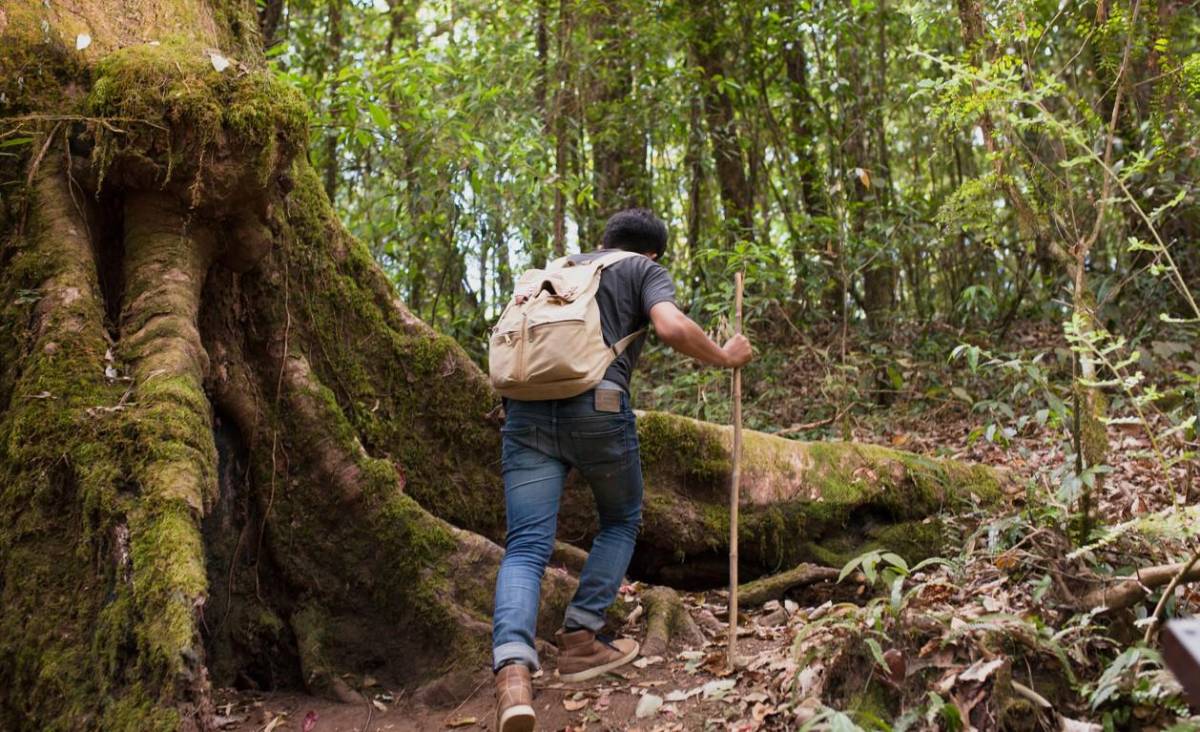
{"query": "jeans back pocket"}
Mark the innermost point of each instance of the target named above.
(604, 444)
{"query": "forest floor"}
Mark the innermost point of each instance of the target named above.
(690, 690)
(949, 640)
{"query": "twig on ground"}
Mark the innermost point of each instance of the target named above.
(1162, 601)
(463, 703)
(1131, 590)
(813, 425)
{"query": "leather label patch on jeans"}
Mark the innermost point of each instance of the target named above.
(608, 400)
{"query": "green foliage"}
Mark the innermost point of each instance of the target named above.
(899, 179)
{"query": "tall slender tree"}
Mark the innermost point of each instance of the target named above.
(710, 48)
(620, 173)
(804, 114)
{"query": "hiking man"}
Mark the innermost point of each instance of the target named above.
(593, 432)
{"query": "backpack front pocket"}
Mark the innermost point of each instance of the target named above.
(505, 353)
(556, 351)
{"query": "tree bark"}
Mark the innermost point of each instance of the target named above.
(563, 114)
(694, 162)
(879, 278)
(270, 13)
(329, 161)
(710, 49)
(539, 234)
(620, 176)
(803, 110)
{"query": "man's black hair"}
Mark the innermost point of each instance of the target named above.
(635, 230)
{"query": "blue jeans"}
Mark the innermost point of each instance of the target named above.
(541, 441)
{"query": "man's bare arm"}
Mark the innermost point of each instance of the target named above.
(681, 333)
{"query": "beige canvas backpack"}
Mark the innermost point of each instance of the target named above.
(550, 345)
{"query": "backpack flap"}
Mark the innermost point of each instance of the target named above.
(566, 285)
(529, 283)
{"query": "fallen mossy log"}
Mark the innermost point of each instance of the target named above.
(820, 502)
(775, 586)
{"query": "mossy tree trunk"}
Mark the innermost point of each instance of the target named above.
(217, 424)
(228, 454)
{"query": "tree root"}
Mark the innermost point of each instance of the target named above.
(667, 620)
(164, 270)
(61, 526)
(310, 626)
(332, 500)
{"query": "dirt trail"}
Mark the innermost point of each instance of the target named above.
(693, 690)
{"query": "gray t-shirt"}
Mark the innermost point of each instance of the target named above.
(628, 289)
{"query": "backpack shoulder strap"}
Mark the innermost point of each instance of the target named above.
(619, 347)
(559, 263)
(604, 261)
(611, 257)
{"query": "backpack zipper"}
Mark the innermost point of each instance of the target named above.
(562, 321)
(521, 347)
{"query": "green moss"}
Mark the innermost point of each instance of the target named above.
(167, 553)
(694, 451)
(825, 502)
(403, 523)
(177, 111)
(1093, 437)
(239, 26)
(913, 540)
(871, 706)
(412, 398)
(63, 496)
(34, 69)
(139, 711)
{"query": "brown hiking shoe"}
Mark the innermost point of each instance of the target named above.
(514, 699)
(583, 655)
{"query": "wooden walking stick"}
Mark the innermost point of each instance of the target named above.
(731, 656)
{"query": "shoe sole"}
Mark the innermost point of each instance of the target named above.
(517, 718)
(595, 671)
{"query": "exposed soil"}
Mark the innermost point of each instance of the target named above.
(608, 703)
